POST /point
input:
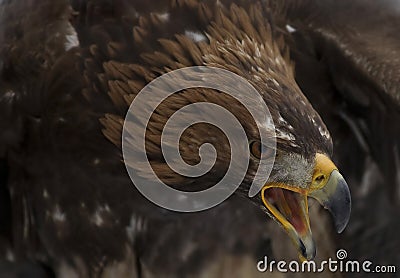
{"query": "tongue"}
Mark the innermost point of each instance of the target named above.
(291, 206)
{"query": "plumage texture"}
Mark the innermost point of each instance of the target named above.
(66, 84)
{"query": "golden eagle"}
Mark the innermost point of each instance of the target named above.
(69, 71)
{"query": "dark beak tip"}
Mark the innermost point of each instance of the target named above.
(340, 228)
(339, 203)
(308, 251)
(342, 224)
(345, 211)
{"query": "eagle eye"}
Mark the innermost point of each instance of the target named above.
(259, 151)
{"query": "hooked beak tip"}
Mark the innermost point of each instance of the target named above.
(335, 197)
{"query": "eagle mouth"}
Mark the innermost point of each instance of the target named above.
(289, 206)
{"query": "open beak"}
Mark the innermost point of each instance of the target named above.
(289, 206)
